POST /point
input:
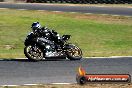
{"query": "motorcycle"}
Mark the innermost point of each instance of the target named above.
(45, 47)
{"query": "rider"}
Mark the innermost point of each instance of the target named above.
(44, 31)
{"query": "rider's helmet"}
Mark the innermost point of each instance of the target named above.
(35, 26)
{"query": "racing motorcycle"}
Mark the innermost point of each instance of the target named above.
(48, 46)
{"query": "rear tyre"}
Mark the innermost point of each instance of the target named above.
(81, 80)
(33, 53)
(74, 52)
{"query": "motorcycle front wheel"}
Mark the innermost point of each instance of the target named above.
(74, 52)
(33, 53)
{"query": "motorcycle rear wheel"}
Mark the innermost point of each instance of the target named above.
(74, 53)
(33, 53)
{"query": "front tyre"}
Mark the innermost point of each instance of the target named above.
(33, 53)
(74, 52)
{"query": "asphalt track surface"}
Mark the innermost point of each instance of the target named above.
(19, 72)
(124, 11)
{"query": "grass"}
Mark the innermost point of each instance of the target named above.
(96, 35)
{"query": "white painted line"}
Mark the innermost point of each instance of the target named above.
(96, 57)
(73, 12)
(21, 58)
(119, 56)
(38, 84)
(57, 11)
(22, 9)
(112, 6)
(21, 85)
(4, 8)
(40, 10)
(88, 13)
(110, 57)
(9, 85)
(30, 84)
(115, 15)
(61, 83)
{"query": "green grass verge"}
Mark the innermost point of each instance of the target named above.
(97, 35)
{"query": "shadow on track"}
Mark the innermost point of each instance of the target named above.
(15, 60)
(26, 60)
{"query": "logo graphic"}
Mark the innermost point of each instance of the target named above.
(82, 77)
